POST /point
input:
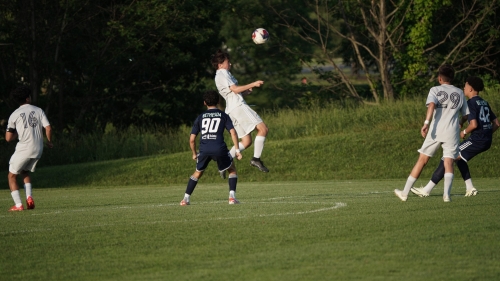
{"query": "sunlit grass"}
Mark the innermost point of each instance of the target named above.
(320, 230)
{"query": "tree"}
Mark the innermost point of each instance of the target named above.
(276, 63)
(116, 62)
(461, 33)
(395, 43)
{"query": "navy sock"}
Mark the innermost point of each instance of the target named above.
(464, 169)
(191, 185)
(233, 180)
(438, 173)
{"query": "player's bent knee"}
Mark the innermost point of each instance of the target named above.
(262, 129)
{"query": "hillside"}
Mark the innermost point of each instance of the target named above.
(373, 142)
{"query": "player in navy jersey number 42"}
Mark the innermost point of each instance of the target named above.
(210, 125)
(482, 124)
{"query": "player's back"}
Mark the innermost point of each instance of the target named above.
(450, 104)
(29, 120)
(211, 125)
(484, 115)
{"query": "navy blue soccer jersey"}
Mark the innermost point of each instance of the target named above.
(481, 111)
(211, 125)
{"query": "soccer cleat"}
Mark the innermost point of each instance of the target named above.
(259, 164)
(399, 193)
(14, 208)
(472, 192)
(223, 174)
(419, 191)
(233, 201)
(184, 203)
(446, 198)
(30, 203)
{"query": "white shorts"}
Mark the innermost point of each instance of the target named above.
(18, 164)
(244, 120)
(430, 146)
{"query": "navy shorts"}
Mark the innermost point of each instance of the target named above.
(469, 148)
(224, 161)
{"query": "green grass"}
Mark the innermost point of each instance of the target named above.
(372, 154)
(325, 211)
(302, 230)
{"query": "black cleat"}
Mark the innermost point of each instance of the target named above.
(259, 164)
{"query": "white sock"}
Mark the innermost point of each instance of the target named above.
(428, 188)
(448, 180)
(468, 184)
(186, 197)
(27, 188)
(17, 198)
(409, 184)
(233, 150)
(232, 194)
(259, 146)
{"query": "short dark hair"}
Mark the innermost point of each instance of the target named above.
(446, 72)
(218, 58)
(211, 98)
(20, 94)
(476, 83)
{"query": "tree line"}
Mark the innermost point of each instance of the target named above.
(92, 64)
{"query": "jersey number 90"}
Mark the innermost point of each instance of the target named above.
(210, 125)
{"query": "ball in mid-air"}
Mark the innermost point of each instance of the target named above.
(260, 36)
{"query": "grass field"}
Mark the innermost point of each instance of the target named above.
(326, 210)
(321, 230)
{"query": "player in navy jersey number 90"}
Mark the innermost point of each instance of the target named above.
(211, 125)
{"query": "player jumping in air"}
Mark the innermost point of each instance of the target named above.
(444, 104)
(482, 124)
(245, 119)
(211, 125)
(26, 123)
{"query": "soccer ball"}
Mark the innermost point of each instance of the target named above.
(260, 36)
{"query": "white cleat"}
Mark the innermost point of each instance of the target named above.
(399, 193)
(419, 191)
(472, 192)
(233, 201)
(446, 198)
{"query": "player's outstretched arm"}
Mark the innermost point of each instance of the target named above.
(239, 89)
(192, 145)
(234, 138)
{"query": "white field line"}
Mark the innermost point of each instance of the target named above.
(337, 205)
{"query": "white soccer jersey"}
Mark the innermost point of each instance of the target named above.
(29, 121)
(224, 80)
(450, 102)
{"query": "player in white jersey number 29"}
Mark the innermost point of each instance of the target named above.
(445, 103)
